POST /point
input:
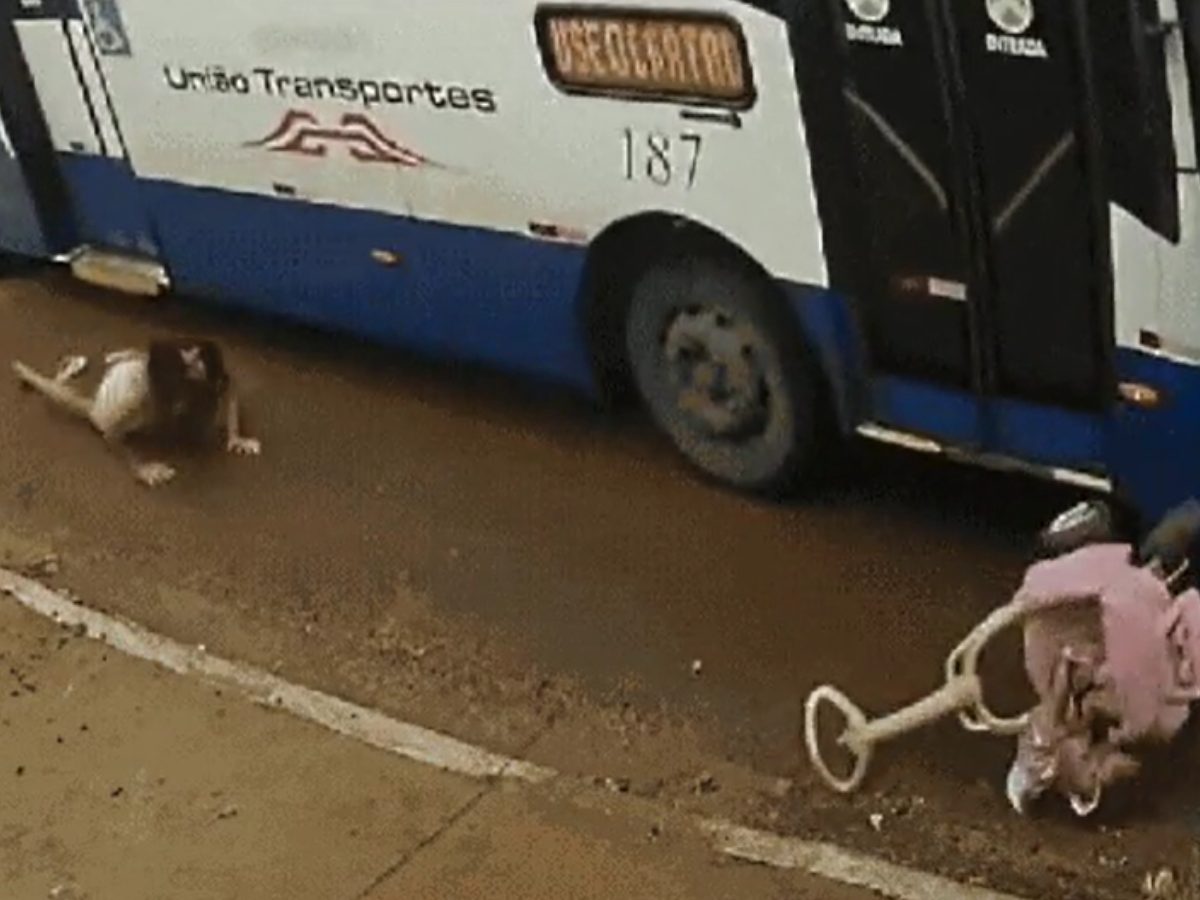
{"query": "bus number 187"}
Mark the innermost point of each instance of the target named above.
(660, 158)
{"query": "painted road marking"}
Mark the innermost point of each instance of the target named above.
(449, 754)
(836, 863)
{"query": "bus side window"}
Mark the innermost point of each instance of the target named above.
(1189, 23)
(1128, 59)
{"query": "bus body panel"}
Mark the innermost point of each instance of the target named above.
(1155, 451)
(218, 105)
(20, 230)
(462, 292)
(277, 153)
(1037, 435)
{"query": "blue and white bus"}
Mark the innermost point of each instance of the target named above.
(970, 227)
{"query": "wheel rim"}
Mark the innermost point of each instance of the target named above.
(716, 364)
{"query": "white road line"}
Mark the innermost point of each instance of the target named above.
(367, 725)
(839, 864)
(451, 755)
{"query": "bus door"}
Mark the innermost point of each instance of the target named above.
(904, 250)
(1067, 101)
(985, 139)
(62, 54)
(34, 212)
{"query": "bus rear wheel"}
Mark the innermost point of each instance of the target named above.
(724, 373)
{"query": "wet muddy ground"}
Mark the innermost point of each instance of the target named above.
(506, 564)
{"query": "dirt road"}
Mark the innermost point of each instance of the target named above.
(502, 563)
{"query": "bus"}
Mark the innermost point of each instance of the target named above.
(969, 227)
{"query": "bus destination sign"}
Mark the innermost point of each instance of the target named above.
(685, 57)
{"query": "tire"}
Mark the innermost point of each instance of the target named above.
(724, 373)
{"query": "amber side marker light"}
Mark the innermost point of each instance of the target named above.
(1140, 395)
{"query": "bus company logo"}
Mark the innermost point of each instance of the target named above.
(867, 29)
(303, 134)
(870, 10)
(1011, 16)
(294, 87)
(1014, 18)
